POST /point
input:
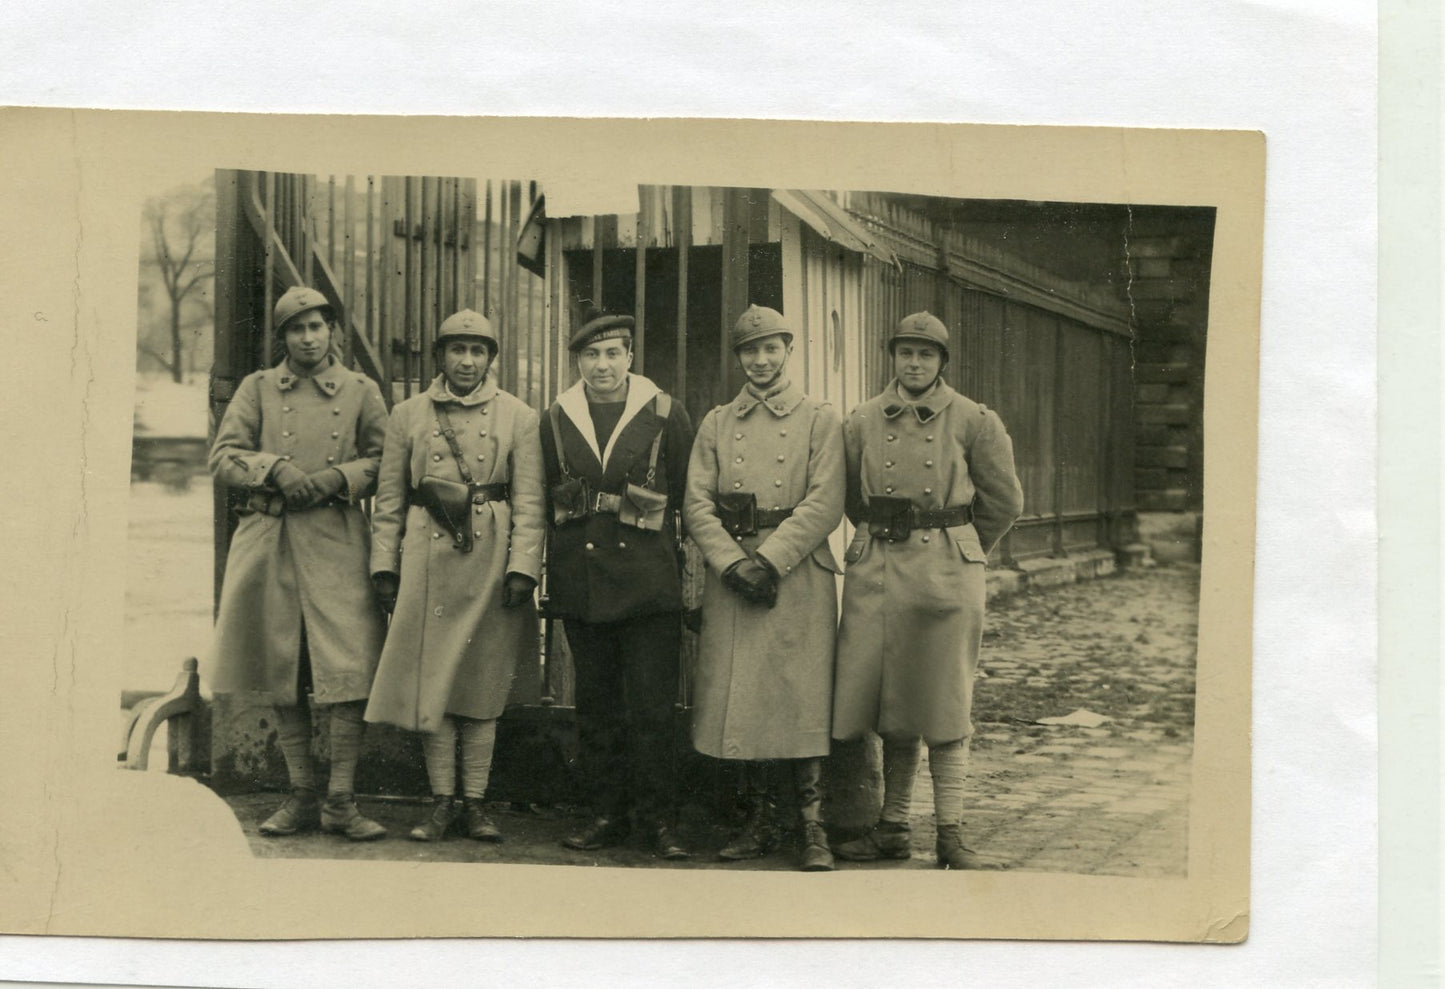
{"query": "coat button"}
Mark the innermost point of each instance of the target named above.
(891, 437)
(928, 439)
(335, 434)
(888, 490)
(479, 509)
(436, 535)
(738, 460)
(484, 412)
(737, 436)
(737, 539)
(928, 463)
(336, 412)
(285, 408)
(477, 533)
(331, 460)
(481, 456)
(484, 432)
(777, 482)
(590, 546)
(436, 457)
(286, 433)
(928, 491)
(782, 432)
(780, 458)
(925, 539)
(436, 432)
(621, 545)
(737, 484)
(437, 611)
(887, 463)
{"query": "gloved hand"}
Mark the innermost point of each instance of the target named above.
(385, 583)
(295, 485)
(752, 581)
(328, 483)
(517, 590)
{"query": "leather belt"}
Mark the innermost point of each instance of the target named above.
(603, 503)
(483, 493)
(926, 518)
(771, 518)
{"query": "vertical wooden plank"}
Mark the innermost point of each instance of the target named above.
(514, 274)
(682, 237)
(331, 222)
(597, 260)
(795, 309)
(412, 222)
(639, 279)
(1060, 440)
(487, 251)
(268, 268)
(735, 284)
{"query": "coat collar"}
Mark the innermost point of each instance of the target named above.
(573, 403)
(483, 393)
(329, 379)
(925, 408)
(779, 403)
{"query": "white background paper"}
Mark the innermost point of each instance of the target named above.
(1304, 73)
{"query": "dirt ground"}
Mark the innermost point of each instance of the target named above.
(1106, 800)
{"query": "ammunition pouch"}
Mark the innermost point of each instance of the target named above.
(570, 500)
(449, 504)
(738, 512)
(890, 518)
(642, 508)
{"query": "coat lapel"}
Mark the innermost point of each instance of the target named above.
(573, 403)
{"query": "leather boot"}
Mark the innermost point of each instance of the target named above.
(603, 832)
(480, 827)
(438, 820)
(666, 844)
(813, 852)
(300, 812)
(885, 840)
(952, 852)
(339, 815)
(759, 834)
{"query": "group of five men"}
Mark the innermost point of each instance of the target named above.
(471, 488)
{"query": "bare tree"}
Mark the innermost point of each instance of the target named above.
(176, 225)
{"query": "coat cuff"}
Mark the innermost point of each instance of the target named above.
(527, 564)
(360, 479)
(258, 469)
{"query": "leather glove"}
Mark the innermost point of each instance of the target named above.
(752, 581)
(385, 584)
(328, 483)
(517, 590)
(295, 485)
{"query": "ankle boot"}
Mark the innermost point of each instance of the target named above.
(759, 834)
(952, 853)
(440, 817)
(480, 827)
(886, 840)
(339, 815)
(300, 812)
(814, 855)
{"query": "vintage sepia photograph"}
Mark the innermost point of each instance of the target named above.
(676, 527)
(664, 528)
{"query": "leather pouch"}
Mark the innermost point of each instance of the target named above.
(738, 512)
(569, 500)
(642, 508)
(890, 518)
(448, 503)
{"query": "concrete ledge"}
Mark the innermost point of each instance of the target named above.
(1036, 574)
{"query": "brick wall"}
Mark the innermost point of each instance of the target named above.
(1168, 254)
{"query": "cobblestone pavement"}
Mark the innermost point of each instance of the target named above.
(1106, 800)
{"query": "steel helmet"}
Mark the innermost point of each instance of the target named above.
(297, 300)
(468, 324)
(922, 326)
(757, 322)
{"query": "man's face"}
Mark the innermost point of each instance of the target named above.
(308, 340)
(916, 365)
(465, 363)
(604, 364)
(764, 360)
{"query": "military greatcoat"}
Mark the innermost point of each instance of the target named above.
(913, 610)
(299, 566)
(452, 647)
(764, 680)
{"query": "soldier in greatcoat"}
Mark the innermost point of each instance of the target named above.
(457, 530)
(302, 440)
(932, 489)
(615, 449)
(764, 492)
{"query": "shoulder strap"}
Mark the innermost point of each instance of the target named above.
(554, 415)
(664, 409)
(445, 422)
